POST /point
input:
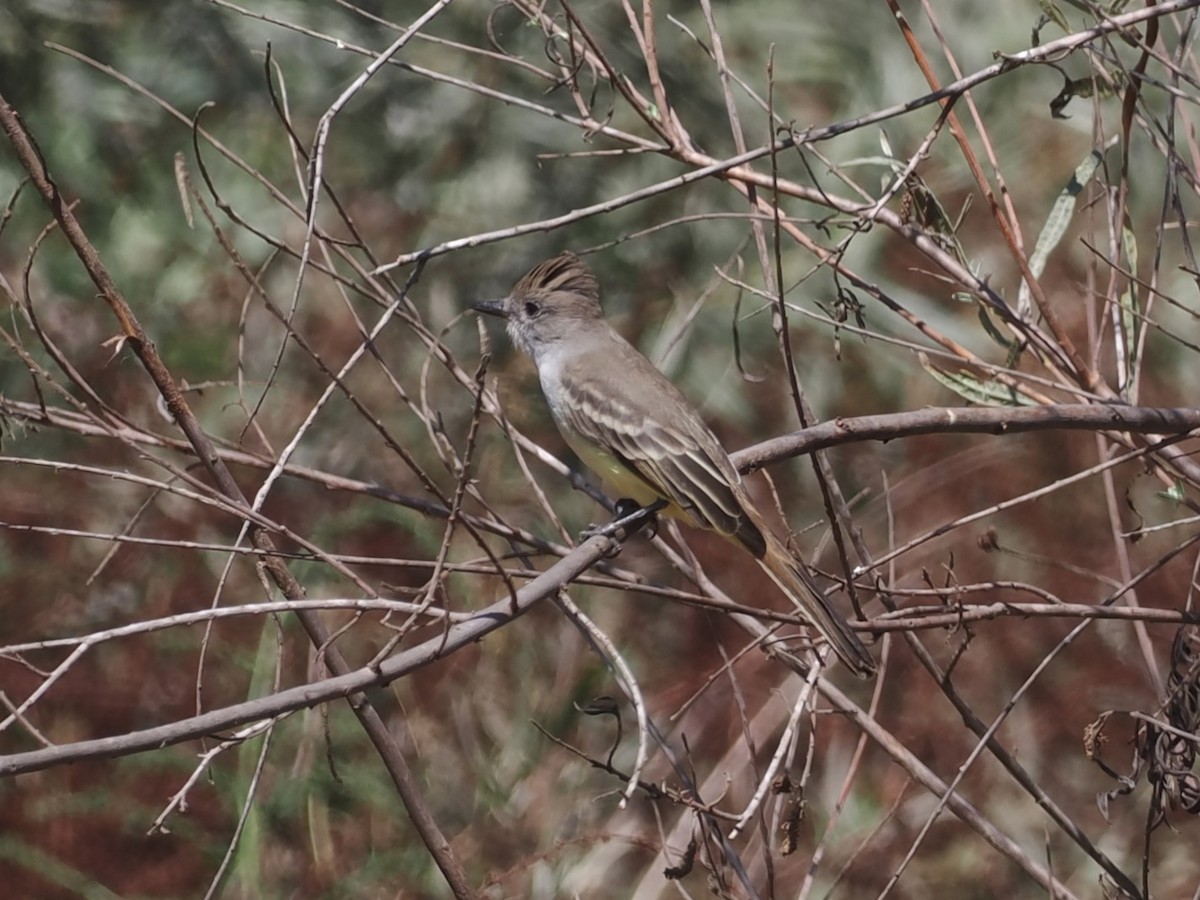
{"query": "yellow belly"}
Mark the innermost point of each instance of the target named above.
(619, 480)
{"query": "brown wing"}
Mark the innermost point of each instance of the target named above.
(684, 462)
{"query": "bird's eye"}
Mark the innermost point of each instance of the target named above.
(531, 308)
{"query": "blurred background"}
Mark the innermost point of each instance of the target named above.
(475, 128)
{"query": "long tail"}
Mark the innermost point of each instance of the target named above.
(792, 578)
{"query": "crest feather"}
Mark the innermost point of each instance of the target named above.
(565, 273)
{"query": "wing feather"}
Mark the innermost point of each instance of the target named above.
(684, 463)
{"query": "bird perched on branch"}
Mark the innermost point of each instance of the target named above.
(628, 423)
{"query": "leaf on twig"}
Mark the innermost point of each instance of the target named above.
(1127, 314)
(1056, 224)
(1174, 494)
(990, 327)
(1102, 85)
(970, 388)
(1054, 14)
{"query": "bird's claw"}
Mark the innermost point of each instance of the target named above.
(628, 513)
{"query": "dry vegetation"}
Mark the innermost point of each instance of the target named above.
(291, 603)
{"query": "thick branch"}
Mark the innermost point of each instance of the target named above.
(342, 685)
(969, 420)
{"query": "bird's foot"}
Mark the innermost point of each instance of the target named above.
(630, 516)
(631, 513)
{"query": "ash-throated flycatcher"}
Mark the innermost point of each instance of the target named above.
(631, 425)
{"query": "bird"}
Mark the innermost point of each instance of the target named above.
(631, 425)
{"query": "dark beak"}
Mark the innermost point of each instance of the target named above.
(491, 308)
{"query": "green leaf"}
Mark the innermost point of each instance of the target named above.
(970, 388)
(1054, 14)
(1174, 493)
(990, 327)
(885, 144)
(1056, 224)
(1128, 316)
